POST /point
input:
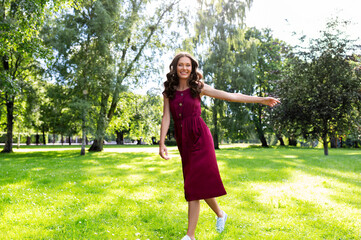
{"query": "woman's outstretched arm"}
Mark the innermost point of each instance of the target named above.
(163, 152)
(237, 97)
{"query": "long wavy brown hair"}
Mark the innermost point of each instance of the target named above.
(194, 81)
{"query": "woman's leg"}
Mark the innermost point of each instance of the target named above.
(193, 214)
(221, 215)
(212, 203)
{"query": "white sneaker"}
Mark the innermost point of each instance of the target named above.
(221, 221)
(186, 237)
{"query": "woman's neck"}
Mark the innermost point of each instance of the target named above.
(183, 84)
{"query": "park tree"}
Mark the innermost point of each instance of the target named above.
(101, 48)
(20, 48)
(225, 57)
(288, 118)
(271, 55)
(24, 113)
(123, 116)
(147, 118)
(138, 116)
(320, 92)
(59, 111)
(354, 135)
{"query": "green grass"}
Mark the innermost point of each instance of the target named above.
(277, 193)
(78, 146)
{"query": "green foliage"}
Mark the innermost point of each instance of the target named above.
(61, 110)
(271, 55)
(320, 90)
(102, 47)
(138, 115)
(20, 49)
(226, 58)
(275, 193)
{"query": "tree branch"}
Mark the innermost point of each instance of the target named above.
(153, 29)
(17, 64)
(130, 66)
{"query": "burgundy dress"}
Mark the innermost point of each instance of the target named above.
(195, 144)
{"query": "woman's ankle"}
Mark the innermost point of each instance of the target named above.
(220, 214)
(192, 236)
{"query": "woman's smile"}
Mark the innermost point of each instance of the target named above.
(184, 68)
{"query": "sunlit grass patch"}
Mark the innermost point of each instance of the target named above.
(277, 193)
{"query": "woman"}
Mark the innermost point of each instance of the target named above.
(183, 90)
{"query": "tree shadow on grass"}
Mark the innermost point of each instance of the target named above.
(63, 166)
(102, 192)
(341, 170)
(69, 187)
(121, 218)
(254, 164)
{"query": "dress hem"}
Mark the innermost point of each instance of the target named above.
(202, 198)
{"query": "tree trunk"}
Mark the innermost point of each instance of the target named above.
(97, 145)
(215, 123)
(28, 140)
(139, 141)
(260, 133)
(8, 148)
(262, 139)
(325, 144)
(292, 141)
(62, 139)
(44, 140)
(258, 123)
(102, 124)
(333, 142)
(120, 137)
(19, 138)
(69, 140)
(53, 138)
(83, 137)
(279, 137)
(37, 138)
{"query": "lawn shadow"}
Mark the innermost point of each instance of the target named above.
(255, 165)
(54, 168)
(71, 188)
(101, 194)
(341, 169)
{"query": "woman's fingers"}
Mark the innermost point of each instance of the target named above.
(270, 101)
(163, 152)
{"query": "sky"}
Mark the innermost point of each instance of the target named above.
(305, 17)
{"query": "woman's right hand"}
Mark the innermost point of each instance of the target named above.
(163, 152)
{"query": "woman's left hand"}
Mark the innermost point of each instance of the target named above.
(270, 101)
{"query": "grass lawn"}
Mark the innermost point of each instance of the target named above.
(276, 193)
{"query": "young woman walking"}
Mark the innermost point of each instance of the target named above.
(182, 96)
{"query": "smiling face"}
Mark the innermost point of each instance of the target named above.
(184, 68)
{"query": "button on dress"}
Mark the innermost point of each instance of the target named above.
(195, 144)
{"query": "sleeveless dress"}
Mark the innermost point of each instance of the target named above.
(195, 144)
